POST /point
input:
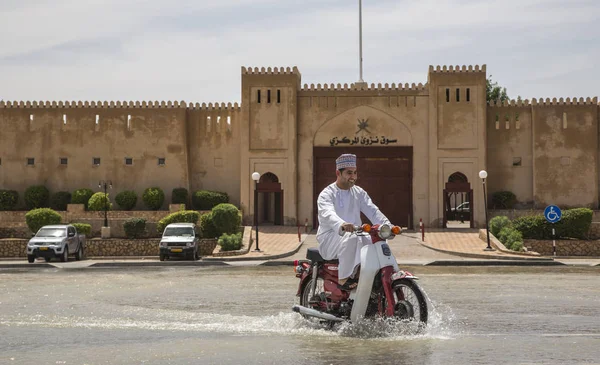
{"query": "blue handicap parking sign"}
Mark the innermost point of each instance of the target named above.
(552, 213)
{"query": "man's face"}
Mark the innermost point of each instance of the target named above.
(347, 178)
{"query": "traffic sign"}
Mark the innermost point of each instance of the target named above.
(552, 213)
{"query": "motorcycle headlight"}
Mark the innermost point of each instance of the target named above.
(385, 231)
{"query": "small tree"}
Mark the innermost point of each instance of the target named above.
(8, 199)
(36, 197)
(179, 196)
(153, 198)
(37, 218)
(83, 228)
(82, 196)
(183, 216)
(226, 218)
(60, 200)
(126, 199)
(135, 227)
(99, 202)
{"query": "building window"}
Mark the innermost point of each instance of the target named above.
(63, 161)
(447, 95)
(269, 96)
(161, 161)
(30, 161)
(516, 161)
(468, 94)
(128, 161)
(0, 162)
(278, 96)
(96, 161)
(258, 97)
(457, 94)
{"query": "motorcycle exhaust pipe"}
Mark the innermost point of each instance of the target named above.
(315, 313)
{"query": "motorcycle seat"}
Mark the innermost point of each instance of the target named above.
(313, 255)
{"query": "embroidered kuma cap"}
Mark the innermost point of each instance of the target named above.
(346, 160)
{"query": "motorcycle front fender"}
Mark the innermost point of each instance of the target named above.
(303, 281)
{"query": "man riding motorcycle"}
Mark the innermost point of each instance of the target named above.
(339, 207)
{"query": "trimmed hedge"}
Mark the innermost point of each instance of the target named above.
(37, 218)
(184, 216)
(511, 238)
(179, 196)
(230, 242)
(36, 197)
(226, 218)
(99, 202)
(207, 226)
(497, 223)
(206, 199)
(83, 228)
(60, 200)
(153, 198)
(135, 227)
(504, 200)
(8, 199)
(126, 200)
(575, 223)
(82, 196)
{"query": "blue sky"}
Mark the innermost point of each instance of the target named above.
(193, 50)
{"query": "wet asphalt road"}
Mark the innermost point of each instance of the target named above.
(241, 315)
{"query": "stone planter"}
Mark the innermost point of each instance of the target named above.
(246, 243)
(207, 246)
(565, 247)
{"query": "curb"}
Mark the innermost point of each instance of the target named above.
(158, 264)
(487, 257)
(256, 258)
(28, 265)
(495, 263)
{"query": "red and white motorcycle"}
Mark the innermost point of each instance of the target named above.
(383, 289)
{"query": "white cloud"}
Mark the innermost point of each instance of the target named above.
(193, 50)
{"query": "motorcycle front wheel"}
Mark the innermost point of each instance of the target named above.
(313, 301)
(410, 301)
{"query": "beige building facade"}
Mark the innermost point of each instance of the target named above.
(418, 145)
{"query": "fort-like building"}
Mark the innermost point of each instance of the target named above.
(419, 146)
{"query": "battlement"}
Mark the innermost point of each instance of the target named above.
(270, 71)
(547, 101)
(463, 68)
(372, 87)
(115, 104)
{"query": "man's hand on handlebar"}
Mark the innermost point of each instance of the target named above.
(348, 227)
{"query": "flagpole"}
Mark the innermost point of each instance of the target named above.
(360, 38)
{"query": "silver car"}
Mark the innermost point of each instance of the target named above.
(59, 241)
(179, 239)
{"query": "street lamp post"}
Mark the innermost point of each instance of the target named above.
(106, 184)
(483, 175)
(255, 177)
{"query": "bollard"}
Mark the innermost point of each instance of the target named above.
(422, 229)
(299, 236)
(306, 225)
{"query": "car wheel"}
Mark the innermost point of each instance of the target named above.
(197, 255)
(65, 255)
(31, 259)
(161, 257)
(79, 254)
(47, 259)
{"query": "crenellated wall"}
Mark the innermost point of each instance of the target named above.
(536, 149)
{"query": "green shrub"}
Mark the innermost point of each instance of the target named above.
(179, 196)
(99, 202)
(126, 199)
(206, 200)
(207, 226)
(226, 218)
(36, 197)
(504, 200)
(83, 228)
(153, 198)
(8, 199)
(497, 223)
(183, 216)
(230, 242)
(37, 218)
(135, 227)
(60, 200)
(574, 223)
(82, 196)
(511, 238)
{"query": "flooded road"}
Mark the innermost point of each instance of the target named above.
(242, 315)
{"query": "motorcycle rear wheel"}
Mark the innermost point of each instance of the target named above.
(410, 301)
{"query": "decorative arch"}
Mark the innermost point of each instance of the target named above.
(378, 124)
(458, 198)
(270, 199)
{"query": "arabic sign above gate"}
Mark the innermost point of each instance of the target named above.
(366, 141)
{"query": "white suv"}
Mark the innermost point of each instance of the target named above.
(179, 239)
